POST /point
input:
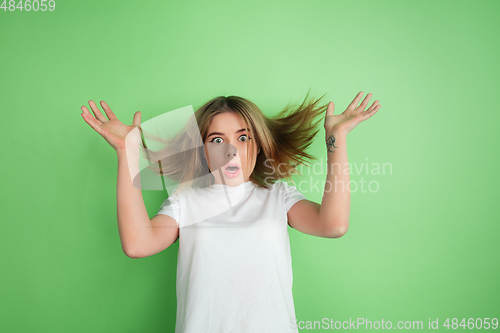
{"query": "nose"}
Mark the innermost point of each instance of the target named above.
(231, 151)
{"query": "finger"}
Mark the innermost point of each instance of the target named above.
(355, 101)
(94, 123)
(368, 114)
(137, 119)
(373, 106)
(329, 110)
(86, 111)
(365, 101)
(97, 112)
(107, 109)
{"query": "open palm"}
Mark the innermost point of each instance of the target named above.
(351, 117)
(111, 129)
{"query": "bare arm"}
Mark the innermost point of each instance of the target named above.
(139, 236)
(331, 218)
(336, 203)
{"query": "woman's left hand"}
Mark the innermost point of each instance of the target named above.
(351, 117)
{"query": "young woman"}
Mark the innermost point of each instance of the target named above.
(234, 271)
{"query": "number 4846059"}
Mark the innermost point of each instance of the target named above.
(472, 323)
(29, 5)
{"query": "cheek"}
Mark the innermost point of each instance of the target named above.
(243, 151)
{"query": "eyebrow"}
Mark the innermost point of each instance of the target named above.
(219, 133)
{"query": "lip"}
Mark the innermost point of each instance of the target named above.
(234, 174)
(232, 164)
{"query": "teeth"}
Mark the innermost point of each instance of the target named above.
(232, 169)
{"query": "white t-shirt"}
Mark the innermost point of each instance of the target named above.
(234, 269)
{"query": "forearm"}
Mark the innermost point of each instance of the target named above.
(335, 206)
(134, 225)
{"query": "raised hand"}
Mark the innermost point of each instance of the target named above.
(351, 117)
(111, 129)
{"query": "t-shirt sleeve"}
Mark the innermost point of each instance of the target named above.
(292, 195)
(171, 207)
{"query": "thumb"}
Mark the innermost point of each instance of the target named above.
(137, 119)
(329, 110)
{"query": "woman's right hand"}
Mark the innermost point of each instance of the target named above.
(112, 130)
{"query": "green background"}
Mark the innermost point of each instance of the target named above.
(424, 245)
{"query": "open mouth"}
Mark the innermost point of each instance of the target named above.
(232, 169)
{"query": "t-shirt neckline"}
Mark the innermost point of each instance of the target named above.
(245, 185)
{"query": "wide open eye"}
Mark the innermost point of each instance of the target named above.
(246, 137)
(213, 140)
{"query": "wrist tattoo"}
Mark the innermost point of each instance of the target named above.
(330, 144)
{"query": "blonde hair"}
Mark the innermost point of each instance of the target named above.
(282, 139)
